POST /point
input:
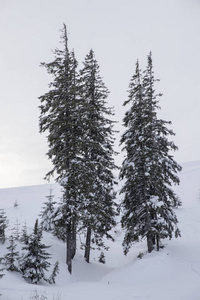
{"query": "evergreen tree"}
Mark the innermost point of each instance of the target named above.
(3, 225)
(12, 257)
(47, 215)
(1, 268)
(16, 233)
(34, 261)
(54, 273)
(102, 258)
(60, 118)
(59, 222)
(98, 206)
(148, 169)
(24, 238)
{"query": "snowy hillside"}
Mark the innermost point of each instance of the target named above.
(173, 273)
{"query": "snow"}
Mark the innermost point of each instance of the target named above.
(172, 273)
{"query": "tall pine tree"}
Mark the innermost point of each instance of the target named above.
(98, 206)
(148, 169)
(60, 118)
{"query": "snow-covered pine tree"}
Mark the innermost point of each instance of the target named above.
(47, 214)
(34, 261)
(11, 258)
(98, 206)
(59, 222)
(163, 200)
(54, 273)
(3, 225)
(16, 233)
(148, 169)
(24, 238)
(1, 268)
(60, 118)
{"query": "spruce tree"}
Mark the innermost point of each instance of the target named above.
(12, 257)
(47, 214)
(3, 225)
(98, 206)
(59, 222)
(148, 169)
(54, 273)
(1, 268)
(60, 118)
(34, 261)
(16, 233)
(24, 238)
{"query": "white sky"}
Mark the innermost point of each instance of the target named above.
(120, 32)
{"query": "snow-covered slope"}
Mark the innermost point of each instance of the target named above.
(173, 273)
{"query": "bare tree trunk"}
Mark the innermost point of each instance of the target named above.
(71, 244)
(73, 238)
(150, 236)
(87, 245)
(157, 242)
(69, 249)
(149, 243)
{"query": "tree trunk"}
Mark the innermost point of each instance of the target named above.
(73, 238)
(149, 242)
(157, 242)
(150, 236)
(69, 249)
(87, 245)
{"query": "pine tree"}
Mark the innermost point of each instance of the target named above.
(16, 233)
(47, 215)
(34, 261)
(24, 238)
(148, 169)
(102, 258)
(54, 273)
(12, 257)
(59, 222)
(98, 206)
(3, 225)
(1, 268)
(60, 118)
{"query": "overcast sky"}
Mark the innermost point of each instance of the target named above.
(120, 32)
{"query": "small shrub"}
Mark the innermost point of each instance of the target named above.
(140, 255)
(16, 204)
(102, 258)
